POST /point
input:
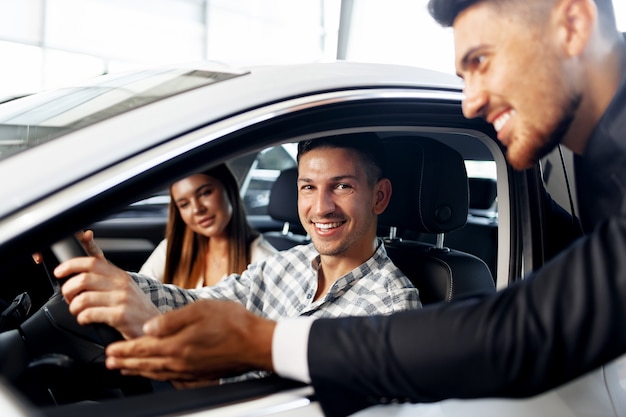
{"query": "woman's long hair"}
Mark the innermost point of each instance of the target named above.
(185, 259)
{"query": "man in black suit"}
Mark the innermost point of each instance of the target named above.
(543, 72)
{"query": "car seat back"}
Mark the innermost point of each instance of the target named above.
(430, 195)
(283, 206)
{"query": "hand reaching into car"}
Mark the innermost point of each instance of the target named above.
(100, 292)
(202, 341)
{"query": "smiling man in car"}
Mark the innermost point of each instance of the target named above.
(543, 72)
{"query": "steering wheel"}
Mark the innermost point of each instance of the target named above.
(58, 345)
(56, 309)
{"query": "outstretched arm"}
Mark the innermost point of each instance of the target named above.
(547, 330)
(205, 340)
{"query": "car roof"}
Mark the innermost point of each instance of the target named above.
(79, 154)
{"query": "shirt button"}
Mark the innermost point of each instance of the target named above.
(308, 296)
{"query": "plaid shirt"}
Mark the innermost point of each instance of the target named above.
(284, 285)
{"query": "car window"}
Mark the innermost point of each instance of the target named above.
(256, 187)
(32, 120)
(483, 202)
(256, 174)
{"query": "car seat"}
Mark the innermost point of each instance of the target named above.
(479, 236)
(283, 206)
(482, 197)
(430, 195)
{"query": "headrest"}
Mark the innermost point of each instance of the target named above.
(429, 183)
(283, 204)
(482, 193)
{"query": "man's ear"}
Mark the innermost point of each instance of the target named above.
(576, 20)
(382, 195)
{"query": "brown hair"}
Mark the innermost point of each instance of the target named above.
(366, 144)
(445, 12)
(184, 264)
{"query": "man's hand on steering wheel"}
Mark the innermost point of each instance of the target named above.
(99, 292)
(85, 237)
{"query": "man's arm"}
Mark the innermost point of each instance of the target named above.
(549, 329)
(205, 340)
(165, 297)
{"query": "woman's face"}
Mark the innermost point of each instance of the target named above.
(203, 204)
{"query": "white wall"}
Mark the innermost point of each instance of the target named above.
(46, 43)
(402, 31)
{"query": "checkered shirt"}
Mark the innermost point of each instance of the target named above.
(284, 285)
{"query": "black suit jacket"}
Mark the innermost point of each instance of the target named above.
(561, 322)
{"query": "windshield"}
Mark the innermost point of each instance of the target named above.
(32, 120)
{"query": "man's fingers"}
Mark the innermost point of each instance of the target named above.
(159, 368)
(148, 357)
(73, 266)
(95, 315)
(140, 347)
(171, 322)
(86, 239)
(152, 367)
(38, 258)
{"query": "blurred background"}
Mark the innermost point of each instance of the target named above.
(47, 43)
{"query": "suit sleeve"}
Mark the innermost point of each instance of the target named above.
(565, 320)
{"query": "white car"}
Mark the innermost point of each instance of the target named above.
(94, 155)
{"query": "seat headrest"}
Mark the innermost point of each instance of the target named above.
(429, 183)
(283, 204)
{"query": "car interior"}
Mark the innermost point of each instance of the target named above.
(440, 229)
(283, 207)
(427, 201)
(129, 235)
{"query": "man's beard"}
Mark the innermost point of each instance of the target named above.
(531, 145)
(557, 135)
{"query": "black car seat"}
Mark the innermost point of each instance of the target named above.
(482, 197)
(480, 235)
(283, 206)
(430, 196)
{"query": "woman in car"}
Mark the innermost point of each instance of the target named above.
(207, 235)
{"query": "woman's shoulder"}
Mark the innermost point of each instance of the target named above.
(162, 245)
(154, 266)
(261, 248)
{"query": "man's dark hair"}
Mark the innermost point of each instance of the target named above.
(446, 11)
(368, 145)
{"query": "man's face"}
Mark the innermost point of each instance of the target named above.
(517, 78)
(336, 205)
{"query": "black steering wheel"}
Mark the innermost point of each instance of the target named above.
(56, 309)
(63, 352)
